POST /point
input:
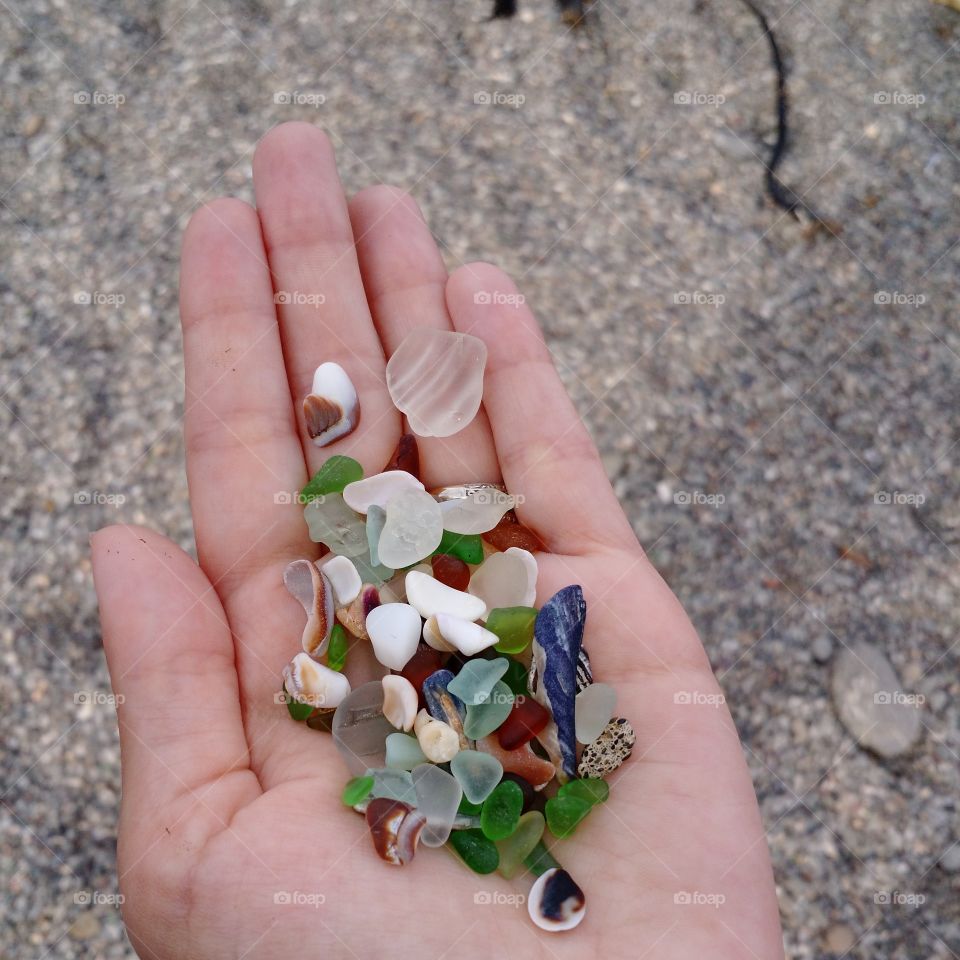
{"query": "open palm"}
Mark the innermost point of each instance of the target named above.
(230, 809)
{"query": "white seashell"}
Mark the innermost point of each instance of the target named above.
(478, 511)
(435, 377)
(343, 577)
(550, 887)
(507, 579)
(439, 742)
(310, 682)
(399, 701)
(379, 489)
(394, 630)
(432, 636)
(430, 597)
(313, 590)
(331, 409)
(469, 638)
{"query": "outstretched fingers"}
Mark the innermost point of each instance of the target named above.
(244, 457)
(545, 452)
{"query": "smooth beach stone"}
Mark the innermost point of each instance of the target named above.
(592, 790)
(525, 721)
(484, 718)
(438, 799)
(593, 710)
(478, 773)
(506, 579)
(376, 518)
(556, 903)
(379, 489)
(476, 679)
(431, 597)
(469, 549)
(513, 626)
(360, 729)
(435, 377)
(412, 530)
(356, 790)
(406, 456)
(557, 636)
(479, 510)
(509, 532)
(342, 575)
(501, 811)
(332, 477)
(331, 522)
(540, 860)
(394, 630)
(475, 850)
(450, 570)
(520, 844)
(403, 752)
(456, 633)
(565, 813)
(600, 758)
(392, 784)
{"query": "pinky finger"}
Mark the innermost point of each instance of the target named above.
(545, 452)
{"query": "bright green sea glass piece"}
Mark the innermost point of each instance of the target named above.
(357, 790)
(337, 650)
(332, 477)
(475, 850)
(468, 547)
(565, 813)
(591, 789)
(514, 627)
(501, 811)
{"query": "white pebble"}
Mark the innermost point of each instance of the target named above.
(343, 577)
(394, 630)
(431, 597)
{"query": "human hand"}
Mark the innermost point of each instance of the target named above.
(228, 805)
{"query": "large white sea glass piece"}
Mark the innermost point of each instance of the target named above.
(435, 377)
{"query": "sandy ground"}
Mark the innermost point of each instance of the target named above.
(776, 407)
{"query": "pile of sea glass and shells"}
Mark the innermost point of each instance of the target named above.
(485, 733)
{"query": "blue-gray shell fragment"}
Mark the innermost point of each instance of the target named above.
(557, 639)
(444, 705)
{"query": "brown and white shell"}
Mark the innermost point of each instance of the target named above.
(331, 409)
(308, 585)
(395, 829)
